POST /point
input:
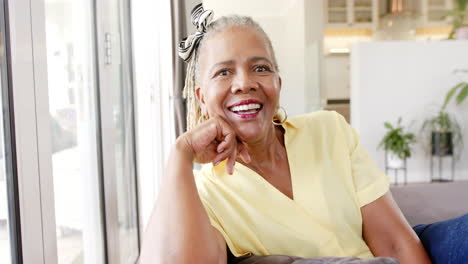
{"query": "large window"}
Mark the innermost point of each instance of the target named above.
(91, 113)
(73, 84)
(91, 100)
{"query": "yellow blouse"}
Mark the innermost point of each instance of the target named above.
(332, 177)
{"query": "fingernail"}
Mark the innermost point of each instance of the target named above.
(246, 157)
(216, 163)
(220, 150)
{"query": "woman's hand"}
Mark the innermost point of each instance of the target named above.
(214, 141)
(179, 230)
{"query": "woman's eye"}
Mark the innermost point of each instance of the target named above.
(223, 73)
(261, 69)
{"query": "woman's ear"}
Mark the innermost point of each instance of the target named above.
(201, 99)
(199, 95)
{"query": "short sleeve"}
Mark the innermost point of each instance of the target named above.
(369, 181)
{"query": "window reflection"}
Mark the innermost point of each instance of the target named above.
(124, 137)
(72, 106)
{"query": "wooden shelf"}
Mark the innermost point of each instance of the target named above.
(363, 8)
(348, 32)
(436, 2)
(437, 8)
(337, 9)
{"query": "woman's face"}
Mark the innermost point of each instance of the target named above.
(238, 82)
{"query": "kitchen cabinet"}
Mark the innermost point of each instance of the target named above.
(434, 12)
(351, 14)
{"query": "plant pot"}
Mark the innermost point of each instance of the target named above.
(441, 144)
(462, 33)
(394, 162)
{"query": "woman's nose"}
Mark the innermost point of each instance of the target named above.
(243, 83)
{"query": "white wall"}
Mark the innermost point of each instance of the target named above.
(336, 76)
(408, 79)
(295, 28)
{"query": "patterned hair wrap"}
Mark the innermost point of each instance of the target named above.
(201, 19)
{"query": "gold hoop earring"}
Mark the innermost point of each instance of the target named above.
(276, 121)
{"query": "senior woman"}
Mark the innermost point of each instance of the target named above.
(271, 185)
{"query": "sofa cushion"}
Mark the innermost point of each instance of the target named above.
(427, 203)
(279, 259)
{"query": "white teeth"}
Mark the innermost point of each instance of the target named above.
(245, 107)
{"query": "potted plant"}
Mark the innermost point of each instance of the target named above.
(445, 133)
(459, 25)
(444, 127)
(396, 142)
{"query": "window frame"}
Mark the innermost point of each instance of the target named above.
(105, 27)
(9, 143)
(34, 174)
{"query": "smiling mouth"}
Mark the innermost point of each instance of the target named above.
(246, 109)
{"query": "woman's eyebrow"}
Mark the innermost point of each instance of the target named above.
(230, 62)
(257, 58)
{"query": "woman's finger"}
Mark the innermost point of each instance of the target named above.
(220, 157)
(232, 159)
(243, 152)
(227, 143)
(222, 146)
(227, 147)
(228, 154)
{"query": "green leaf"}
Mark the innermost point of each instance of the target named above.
(461, 4)
(409, 137)
(463, 93)
(397, 140)
(388, 125)
(450, 94)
